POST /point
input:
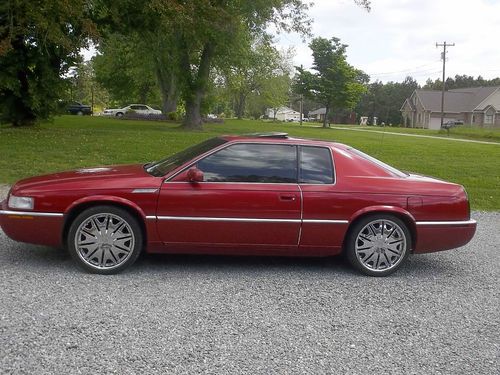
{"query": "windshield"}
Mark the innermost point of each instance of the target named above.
(162, 167)
(393, 170)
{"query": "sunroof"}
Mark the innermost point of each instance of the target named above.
(269, 135)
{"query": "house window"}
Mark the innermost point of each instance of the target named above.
(488, 118)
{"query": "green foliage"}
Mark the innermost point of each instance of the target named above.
(124, 66)
(460, 82)
(260, 80)
(39, 42)
(84, 88)
(215, 34)
(334, 83)
(385, 100)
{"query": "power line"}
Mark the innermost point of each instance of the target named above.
(411, 70)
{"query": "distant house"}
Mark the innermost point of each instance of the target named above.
(283, 114)
(318, 114)
(474, 106)
(340, 117)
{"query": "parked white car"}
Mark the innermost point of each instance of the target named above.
(142, 109)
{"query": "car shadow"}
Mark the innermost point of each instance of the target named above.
(46, 259)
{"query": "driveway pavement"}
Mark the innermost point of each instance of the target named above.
(439, 314)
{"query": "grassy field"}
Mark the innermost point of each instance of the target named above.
(71, 142)
(460, 132)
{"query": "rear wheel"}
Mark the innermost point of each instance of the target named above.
(79, 113)
(105, 239)
(378, 245)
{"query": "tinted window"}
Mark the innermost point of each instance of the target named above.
(166, 165)
(251, 163)
(316, 165)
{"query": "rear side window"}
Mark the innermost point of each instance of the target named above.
(316, 165)
(265, 163)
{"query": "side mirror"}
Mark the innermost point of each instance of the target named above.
(195, 175)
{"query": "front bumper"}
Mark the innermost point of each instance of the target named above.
(41, 228)
(443, 235)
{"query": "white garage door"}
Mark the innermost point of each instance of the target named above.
(436, 122)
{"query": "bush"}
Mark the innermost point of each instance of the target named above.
(173, 116)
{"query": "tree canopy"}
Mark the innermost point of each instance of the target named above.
(39, 42)
(333, 82)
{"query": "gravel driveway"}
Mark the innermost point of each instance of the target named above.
(228, 315)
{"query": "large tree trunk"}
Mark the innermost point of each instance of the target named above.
(168, 90)
(240, 105)
(325, 119)
(195, 92)
(193, 113)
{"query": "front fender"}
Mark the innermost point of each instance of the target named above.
(104, 199)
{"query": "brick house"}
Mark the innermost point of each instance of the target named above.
(479, 106)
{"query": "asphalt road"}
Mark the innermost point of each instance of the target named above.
(227, 315)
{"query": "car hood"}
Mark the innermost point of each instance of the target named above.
(106, 177)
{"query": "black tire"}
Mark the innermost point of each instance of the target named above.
(119, 114)
(79, 113)
(379, 256)
(91, 256)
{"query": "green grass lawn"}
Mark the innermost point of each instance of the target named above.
(71, 142)
(460, 132)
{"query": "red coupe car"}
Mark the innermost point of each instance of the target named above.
(262, 194)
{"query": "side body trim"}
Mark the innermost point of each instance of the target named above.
(464, 222)
(248, 220)
(28, 213)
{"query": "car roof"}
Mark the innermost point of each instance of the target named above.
(278, 137)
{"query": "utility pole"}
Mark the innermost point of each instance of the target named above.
(443, 56)
(301, 100)
(301, 107)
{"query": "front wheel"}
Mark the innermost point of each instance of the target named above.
(105, 239)
(378, 245)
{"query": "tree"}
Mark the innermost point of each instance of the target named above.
(335, 83)
(212, 32)
(39, 42)
(262, 76)
(384, 100)
(125, 67)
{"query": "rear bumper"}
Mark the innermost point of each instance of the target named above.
(443, 235)
(41, 228)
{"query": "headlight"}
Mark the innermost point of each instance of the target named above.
(22, 203)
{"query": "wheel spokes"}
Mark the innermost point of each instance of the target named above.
(104, 240)
(380, 245)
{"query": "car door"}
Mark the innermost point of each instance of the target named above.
(249, 197)
(323, 226)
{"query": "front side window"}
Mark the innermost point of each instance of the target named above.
(264, 163)
(162, 167)
(316, 165)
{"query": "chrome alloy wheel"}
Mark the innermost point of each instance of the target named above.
(380, 245)
(104, 241)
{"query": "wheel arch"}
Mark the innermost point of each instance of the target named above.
(77, 207)
(398, 212)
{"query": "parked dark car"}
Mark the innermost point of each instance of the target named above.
(452, 123)
(80, 109)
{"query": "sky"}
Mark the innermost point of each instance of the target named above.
(398, 37)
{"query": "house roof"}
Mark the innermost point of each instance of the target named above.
(456, 100)
(282, 110)
(319, 111)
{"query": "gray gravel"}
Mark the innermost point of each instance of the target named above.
(228, 315)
